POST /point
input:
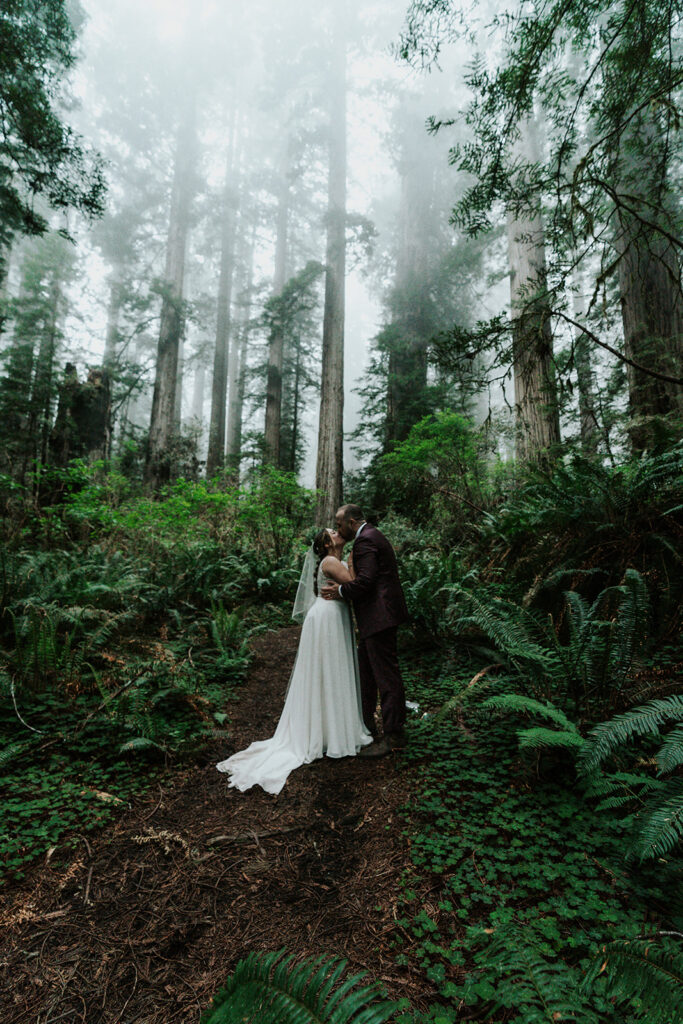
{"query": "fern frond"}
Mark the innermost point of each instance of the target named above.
(643, 970)
(540, 990)
(661, 828)
(518, 703)
(140, 743)
(538, 737)
(670, 754)
(265, 987)
(14, 750)
(642, 721)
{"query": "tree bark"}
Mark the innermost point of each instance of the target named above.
(112, 337)
(409, 305)
(178, 411)
(237, 379)
(219, 386)
(41, 395)
(652, 317)
(198, 386)
(588, 421)
(537, 422)
(329, 466)
(276, 340)
(163, 418)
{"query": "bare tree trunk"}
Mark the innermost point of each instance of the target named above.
(588, 421)
(237, 380)
(276, 341)
(178, 413)
(409, 304)
(652, 315)
(219, 386)
(39, 424)
(158, 463)
(537, 426)
(5, 252)
(650, 278)
(295, 410)
(198, 385)
(331, 425)
(112, 337)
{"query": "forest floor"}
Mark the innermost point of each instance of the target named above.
(144, 920)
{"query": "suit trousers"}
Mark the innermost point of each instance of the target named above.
(379, 671)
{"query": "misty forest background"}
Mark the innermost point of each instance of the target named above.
(259, 259)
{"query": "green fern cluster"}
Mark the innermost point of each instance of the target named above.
(589, 669)
(659, 819)
(648, 971)
(270, 988)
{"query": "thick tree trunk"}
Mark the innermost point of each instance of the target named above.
(178, 413)
(650, 279)
(537, 422)
(329, 466)
(158, 464)
(237, 379)
(410, 315)
(219, 386)
(652, 316)
(276, 340)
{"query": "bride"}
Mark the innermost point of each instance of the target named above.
(322, 711)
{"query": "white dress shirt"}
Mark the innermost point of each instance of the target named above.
(354, 541)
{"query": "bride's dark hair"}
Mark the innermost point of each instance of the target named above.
(320, 548)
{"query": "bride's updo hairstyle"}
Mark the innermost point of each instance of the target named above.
(322, 542)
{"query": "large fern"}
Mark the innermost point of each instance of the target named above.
(523, 979)
(566, 736)
(646, 972)
(268, 988)
(607, 737)
(660, 818)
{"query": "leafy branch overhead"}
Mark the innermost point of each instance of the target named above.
(43, 162)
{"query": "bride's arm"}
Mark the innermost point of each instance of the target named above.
(334, 570)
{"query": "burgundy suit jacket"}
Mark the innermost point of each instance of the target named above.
(376, 592)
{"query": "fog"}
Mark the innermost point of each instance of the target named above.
(257, 78)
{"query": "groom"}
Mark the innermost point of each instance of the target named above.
(380, 608)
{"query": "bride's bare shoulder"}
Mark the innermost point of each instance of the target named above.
(329, 562)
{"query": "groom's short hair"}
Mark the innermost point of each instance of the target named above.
(352, 512)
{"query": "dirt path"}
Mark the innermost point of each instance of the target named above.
(151, 914)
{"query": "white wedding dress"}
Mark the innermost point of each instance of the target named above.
(322, 712)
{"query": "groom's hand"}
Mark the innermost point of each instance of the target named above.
(331, 592)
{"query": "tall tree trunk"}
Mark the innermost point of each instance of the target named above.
(537, 421)
(652, 316)
(411, 316)
(178, 413)
(158, 463)
(5, 252)
(41, 394)
(276, 341)
(112, 337)
(237, 380)
(329, 466)
(219, 386)
(584, 374)
(198, 385)
(295, 409)
(649, 277)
